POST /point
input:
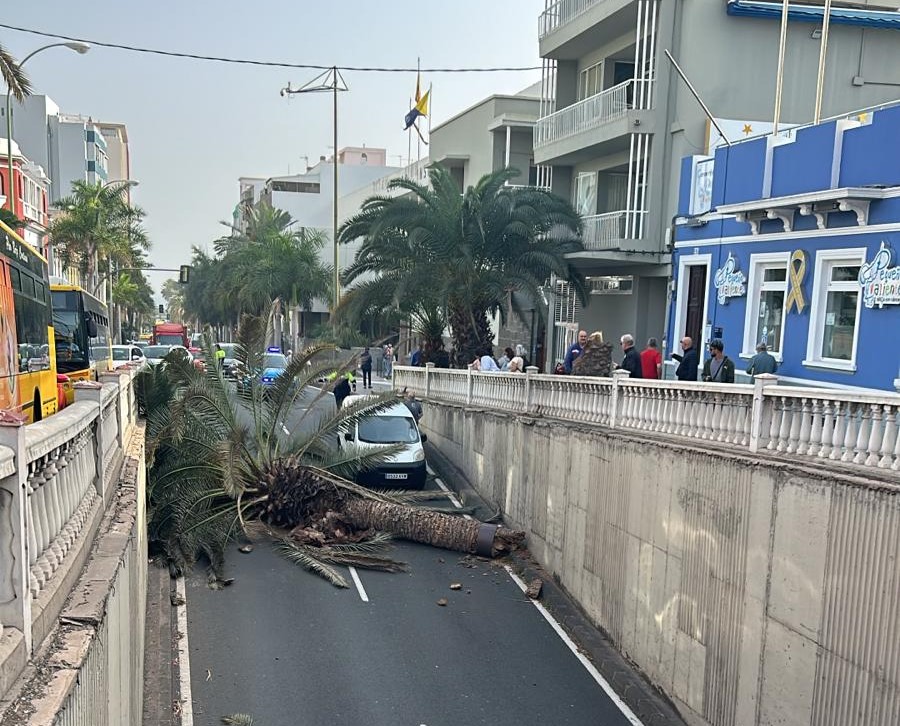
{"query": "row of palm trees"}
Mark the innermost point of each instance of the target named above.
(98, 232)
(429, 254)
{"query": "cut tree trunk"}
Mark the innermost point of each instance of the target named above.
(433, 528)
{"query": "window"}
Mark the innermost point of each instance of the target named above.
(590, 81)
(767, 287)
(586, 193)
(834, 315)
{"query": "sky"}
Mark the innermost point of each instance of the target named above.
(195, 126)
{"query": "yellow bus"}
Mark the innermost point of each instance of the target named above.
(81, 329)
(27, 359)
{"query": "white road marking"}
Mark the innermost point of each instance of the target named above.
(285, 429)
(184, 656)
(451, 496)
(589, 667)
(359, 586)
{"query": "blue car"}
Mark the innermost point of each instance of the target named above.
(272, 367)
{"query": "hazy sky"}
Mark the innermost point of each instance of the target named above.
(196, 126)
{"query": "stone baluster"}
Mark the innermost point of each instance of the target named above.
(614, 400)
(777, 405)
(58, 515)
(802, 443)
(815, 429)
(429, 372)
(841, 413)
(860, 450)
(725, 418)
(896, 465)
(875, 436)
(469, 382)
(787, 424)
(796, 426)
(669, 422)
(854, 423)
(712, 411)
(890, 438)
(828, 411)
(685, 411)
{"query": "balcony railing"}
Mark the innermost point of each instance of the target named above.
(834, 428)
(562, 12)
(583, 116)
(606, 231)
(417, 172)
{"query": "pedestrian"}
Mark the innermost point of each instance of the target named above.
(688, 362)
(595, 359)
(341, 387)
(719, 368)
(632, 360)
(503, 360)
(762, 362)
(651, 360)
(220, 356)
(575, 350)
(416, 357)
(486, 364)
(365, 365)
(516, 365)
(388, 360)
(415, 408)
(522, 353)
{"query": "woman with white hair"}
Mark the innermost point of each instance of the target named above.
(516, 365)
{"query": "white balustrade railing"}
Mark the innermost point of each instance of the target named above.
(55, 475)
(560, 13)
(585, 115)
(808, 423)
(607, 231)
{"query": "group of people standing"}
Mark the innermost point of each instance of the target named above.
(590, 356)
(512, 361)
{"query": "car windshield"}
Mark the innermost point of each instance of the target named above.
(388, 430)
(228, 348)
(120, 353)
(274, 360)
(156, 351)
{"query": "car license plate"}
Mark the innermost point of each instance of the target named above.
(395, 476)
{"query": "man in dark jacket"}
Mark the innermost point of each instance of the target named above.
(632, 360)
(719, 368)
(687, 362)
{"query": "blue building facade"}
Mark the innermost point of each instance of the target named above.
(795, 242)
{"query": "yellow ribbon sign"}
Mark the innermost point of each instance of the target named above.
(797, 270)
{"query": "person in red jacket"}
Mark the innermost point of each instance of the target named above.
(651, 360)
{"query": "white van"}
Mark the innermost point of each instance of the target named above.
(394, 425)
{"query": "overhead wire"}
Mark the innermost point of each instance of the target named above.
(268, 64)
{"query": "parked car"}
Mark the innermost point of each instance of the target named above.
(395, 425)
(124, 354)
(155, 353)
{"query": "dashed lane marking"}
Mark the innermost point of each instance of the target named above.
(359, 586)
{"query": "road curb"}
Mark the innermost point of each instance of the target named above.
(649, 704)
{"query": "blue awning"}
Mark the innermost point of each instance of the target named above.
(887, 19)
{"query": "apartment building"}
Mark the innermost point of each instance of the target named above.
(616, 120)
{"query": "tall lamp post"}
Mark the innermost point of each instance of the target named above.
(80, 48)
(330, 80)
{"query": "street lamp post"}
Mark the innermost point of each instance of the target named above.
(330, 80)
(78, 47)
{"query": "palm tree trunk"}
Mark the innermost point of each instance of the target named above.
(432, 528)
(471, 330)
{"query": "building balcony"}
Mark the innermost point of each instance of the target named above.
(595, 126)
(566, 26)
(608, 231)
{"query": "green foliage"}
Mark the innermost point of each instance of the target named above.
(14, 77)
(10, 219)
(273, 260)
(99, 231)
(434, 249)
(341, 336)
(220, 457)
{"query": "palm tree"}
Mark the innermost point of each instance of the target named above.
(465, 253)
(222, 465)
(14, 77)
(173, 294)
(99, 228)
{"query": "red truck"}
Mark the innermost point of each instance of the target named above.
(170, 334)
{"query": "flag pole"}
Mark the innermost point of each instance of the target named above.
(409, 141)
(823, 51)
(419, 140)
(779, 74)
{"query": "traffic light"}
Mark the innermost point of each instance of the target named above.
(162, 309)
(184, 274)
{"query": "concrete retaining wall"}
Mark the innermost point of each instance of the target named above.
(91, 670)
(749, 590)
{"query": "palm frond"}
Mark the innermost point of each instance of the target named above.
(304, 557)
(238, 719)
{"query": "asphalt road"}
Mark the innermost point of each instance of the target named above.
(291, 650)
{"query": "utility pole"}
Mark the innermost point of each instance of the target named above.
(330, 80)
